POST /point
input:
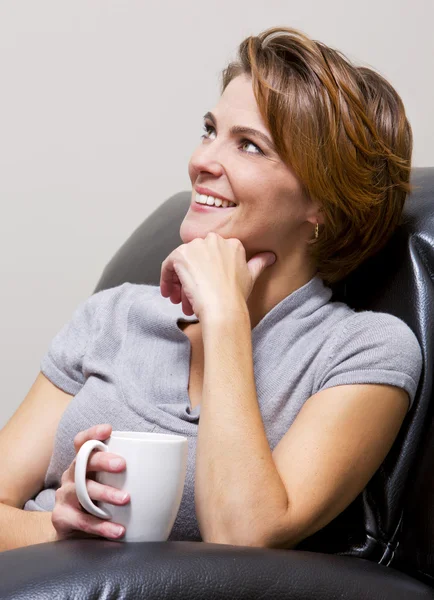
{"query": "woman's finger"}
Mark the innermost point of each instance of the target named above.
(97, 491)
(106, 493)
(105, 461)
(66, 520)
(168, 277)
(97, 432)
(175, 296)
(186, 306)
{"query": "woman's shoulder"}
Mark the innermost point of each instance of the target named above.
(372, 343)
(373, 325)
(343, 324)
(367, 329)
(123, 294)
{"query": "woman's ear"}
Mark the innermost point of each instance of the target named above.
(320, 216)
(316, 215)
(314, 209)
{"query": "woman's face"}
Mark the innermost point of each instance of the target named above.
(271, 212)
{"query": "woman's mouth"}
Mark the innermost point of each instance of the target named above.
(202, 203)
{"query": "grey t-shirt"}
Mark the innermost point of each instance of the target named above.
(126, 361)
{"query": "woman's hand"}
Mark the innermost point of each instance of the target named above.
(211, 274)
(68, 516)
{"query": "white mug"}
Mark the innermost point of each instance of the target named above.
(154, 477)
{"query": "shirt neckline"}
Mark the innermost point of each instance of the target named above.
(300, 303)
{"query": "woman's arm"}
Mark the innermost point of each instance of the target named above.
(246, 494)
(24, 463)
(24, 528)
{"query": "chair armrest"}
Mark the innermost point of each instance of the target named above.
(94, 568)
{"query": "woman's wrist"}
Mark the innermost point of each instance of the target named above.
(230, 311)
(46, 531)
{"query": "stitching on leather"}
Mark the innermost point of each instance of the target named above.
(392, 544)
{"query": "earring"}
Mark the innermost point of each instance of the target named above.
(316, 230)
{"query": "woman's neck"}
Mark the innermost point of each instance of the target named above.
(272, 286)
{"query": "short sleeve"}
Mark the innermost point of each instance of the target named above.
(63, 362)
(374, 348)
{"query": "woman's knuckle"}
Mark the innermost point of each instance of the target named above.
(98, 462)
(93, 489)
(62, 520)
(93, 461)
(105, 528)
(59, 520)
(68, 488)
(81, 437)
(112, 495)
(83, 524)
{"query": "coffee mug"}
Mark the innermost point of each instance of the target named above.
(154, 477)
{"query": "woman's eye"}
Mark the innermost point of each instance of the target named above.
(245, 142)
(206, 128)
(209, 129)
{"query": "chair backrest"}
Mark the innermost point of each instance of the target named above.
(391, 521)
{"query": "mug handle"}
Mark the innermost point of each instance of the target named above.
(80, 478)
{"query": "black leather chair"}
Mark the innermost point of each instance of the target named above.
(381, 547)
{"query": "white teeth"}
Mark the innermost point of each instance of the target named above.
(211, 201)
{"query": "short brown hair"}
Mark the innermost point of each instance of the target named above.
(343, 130)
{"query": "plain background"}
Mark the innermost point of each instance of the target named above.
(101, 105)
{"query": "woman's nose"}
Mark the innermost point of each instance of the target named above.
(207, 158)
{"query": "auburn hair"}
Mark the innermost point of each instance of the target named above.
(343, 130)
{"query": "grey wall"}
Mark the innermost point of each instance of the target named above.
(101, 104)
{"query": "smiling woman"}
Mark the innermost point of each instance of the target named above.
(338, 129)
(291, 401)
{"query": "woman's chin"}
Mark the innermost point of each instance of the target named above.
(190, 231)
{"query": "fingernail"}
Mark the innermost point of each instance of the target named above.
(101, 429)
(118, 530)
(115, 463)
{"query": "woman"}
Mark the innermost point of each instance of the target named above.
(300, 398)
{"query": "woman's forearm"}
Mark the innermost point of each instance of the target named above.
(239, 494)
(20, 528)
